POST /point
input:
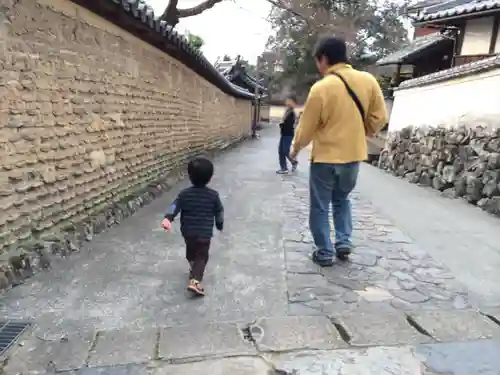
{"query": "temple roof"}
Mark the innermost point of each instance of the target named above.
(235, 72)
(415, 49)
(456, 8)
(453, 73)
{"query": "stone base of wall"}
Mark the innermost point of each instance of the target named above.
(460, 162)
(26, 259)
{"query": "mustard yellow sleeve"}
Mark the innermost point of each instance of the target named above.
(309, 120)
(377, 116)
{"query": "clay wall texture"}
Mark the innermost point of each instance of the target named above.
(90, 114)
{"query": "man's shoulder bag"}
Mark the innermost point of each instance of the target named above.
(353, 95)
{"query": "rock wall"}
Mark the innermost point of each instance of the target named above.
(90, 116)
(462, 162)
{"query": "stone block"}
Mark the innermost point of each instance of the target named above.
(378, 360)
(468, 358)
(493, 313)
(296, 333)
(37, 356)
(227, 366)
(380, 328)
(203, 341)
(122, 347)
(456, 325)
(460, 160)
(115, 370)
(300, 262)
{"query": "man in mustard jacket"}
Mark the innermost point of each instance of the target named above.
(344, 107)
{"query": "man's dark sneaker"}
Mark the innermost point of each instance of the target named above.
(196, 288)
(295, 163)
(281, 171)
(343, 253)
(321, 262)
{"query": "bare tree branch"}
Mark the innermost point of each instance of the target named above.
(200, 8)
(281, 4)
(172, 14)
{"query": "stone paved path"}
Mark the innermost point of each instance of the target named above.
(119, 307)
(135, 274)
(387, 271)
(452, 231)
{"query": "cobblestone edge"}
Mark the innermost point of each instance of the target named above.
(247, 335)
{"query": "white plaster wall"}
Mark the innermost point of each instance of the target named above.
(477, 36)
(471, 100)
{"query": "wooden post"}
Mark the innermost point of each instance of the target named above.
(398, 76)
(257, 100)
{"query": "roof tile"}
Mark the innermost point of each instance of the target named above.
(144, 14)
(458, 71)
(457, 7)
(417, 45)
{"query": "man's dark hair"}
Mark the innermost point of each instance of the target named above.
(200, 171)
(293, 98)
(333, 49)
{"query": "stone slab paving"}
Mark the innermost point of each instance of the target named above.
(462, 358)
(115, 370)
(493, 314)
(122, 347)
(37, 356)
(473, 358)
(133, 278)
(266, 338)
(375, 328)
(456, 325)
(135, 275)
(296, 333)
(379, 361)
(203, 340)
(386, 272)
(452, 231)
(227, 366)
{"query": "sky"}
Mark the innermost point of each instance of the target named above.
(231, 27)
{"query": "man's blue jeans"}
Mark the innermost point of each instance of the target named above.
(331, 184)
(284, 150)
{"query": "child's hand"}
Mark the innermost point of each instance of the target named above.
(166, 224)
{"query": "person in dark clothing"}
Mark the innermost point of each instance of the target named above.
(287, 131)
(200, 207)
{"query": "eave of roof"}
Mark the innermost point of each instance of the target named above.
(238, 71)
(456, 72)
(456, 9)
(139, 19)
(422, 4)
(415, 47)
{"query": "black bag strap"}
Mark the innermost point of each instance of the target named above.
(353, 95)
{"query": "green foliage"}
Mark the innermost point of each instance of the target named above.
(372, 29)
(385, 84)
(195, 40)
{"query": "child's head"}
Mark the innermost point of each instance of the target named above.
(200, 171)
(291, 101)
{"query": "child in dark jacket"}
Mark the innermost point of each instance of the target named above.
(200, 207)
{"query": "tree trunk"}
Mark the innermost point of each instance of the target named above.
(172, 14)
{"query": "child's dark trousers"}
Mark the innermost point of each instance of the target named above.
(197, 255)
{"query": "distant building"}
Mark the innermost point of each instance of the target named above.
(447, 34)
(236, 73)
(454, 65)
